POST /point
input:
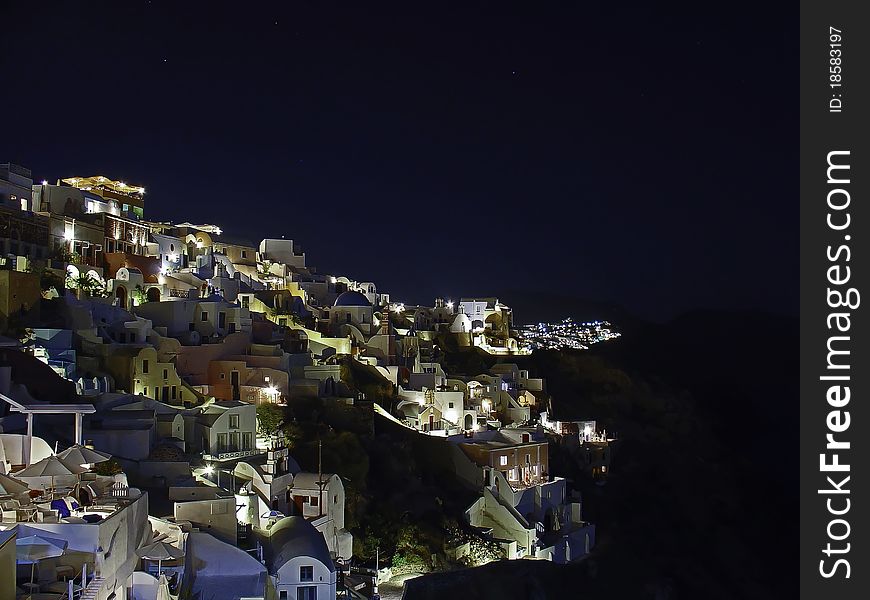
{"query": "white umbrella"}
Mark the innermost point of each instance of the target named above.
(10, 485)
(82, 455)
(159, 551)
(51, 466)
(33, 548)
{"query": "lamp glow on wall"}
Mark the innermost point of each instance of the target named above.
(69, 230)
(272, 393)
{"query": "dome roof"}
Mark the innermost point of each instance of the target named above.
(294, 536)
(351, 299)
(461, 324)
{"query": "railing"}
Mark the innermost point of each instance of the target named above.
(119, 490)
(72, 593)
(230, 454)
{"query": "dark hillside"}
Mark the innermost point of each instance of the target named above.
(705, 411)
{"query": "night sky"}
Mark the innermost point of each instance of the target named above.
(645, 155)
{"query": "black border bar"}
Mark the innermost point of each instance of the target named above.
(835, 362)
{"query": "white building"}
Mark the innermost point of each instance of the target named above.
(282, 251)
(299, 561)
(322, 502)
(228, 430)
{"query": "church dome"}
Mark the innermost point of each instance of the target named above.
(351, 299)
(461, 324)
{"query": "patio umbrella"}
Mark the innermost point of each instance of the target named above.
(33, 548)
(82, 455)
(50, 466)
(10, 485)
(159, 551)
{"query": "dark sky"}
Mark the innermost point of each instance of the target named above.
(645, 155)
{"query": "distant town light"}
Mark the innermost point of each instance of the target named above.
(44, 182)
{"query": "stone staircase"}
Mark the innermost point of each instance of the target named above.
(94, 585)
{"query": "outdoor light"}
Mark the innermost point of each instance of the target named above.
(208, 470)
(44, 182)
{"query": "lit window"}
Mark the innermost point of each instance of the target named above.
(502, 460)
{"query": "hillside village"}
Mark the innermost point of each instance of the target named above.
(173, 401)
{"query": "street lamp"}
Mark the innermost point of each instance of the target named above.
(209, 470)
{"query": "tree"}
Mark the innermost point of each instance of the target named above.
(85, 283)
(108, 468)
(47, 278)
(139, 296)
(269, 418)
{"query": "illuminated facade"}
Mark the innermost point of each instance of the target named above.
(125, 235)
(130, 198)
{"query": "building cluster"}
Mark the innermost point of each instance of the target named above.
(145, 348)
(565, 334)
(496, 429)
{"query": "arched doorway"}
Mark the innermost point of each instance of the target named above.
(153, 295)
(121, 295)
(469, 421)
